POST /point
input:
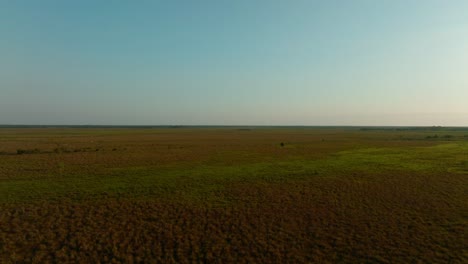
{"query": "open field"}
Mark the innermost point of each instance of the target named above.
(233, 195)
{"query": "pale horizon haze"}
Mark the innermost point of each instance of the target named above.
(245, 62)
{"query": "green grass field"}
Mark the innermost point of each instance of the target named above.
(233, 195)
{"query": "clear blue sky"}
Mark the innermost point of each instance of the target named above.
(243, 62)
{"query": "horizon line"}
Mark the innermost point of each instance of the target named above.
(205, 125)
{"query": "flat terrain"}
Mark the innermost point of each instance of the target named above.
(233, 195)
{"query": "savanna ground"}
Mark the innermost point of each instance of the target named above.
(233, 195)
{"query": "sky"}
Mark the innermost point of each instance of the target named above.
(243, 62)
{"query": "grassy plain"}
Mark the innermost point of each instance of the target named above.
(233, 195)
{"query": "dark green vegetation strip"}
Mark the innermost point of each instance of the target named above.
(203, 182)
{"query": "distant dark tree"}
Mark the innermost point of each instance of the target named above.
(282, 144)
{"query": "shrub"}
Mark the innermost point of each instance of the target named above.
(62, 150)
(27, 151)
(20, 151)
